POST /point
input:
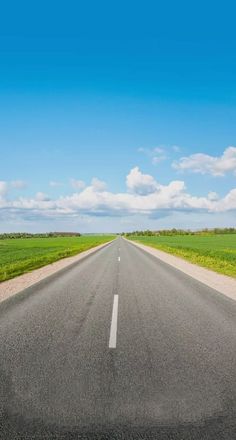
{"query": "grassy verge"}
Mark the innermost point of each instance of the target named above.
(18, 256)
(216, 252)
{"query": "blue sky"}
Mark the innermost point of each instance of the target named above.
(141, 96)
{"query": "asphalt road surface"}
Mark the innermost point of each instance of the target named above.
(120, 346)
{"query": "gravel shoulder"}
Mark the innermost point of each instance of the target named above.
(18, 284)
(222, 283)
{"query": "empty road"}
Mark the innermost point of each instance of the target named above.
(120, 346)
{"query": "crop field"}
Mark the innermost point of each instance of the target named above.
(216, 252)
(18, 256)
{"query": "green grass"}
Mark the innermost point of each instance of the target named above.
(18, 256)
(216, 252)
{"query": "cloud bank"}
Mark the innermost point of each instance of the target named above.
(144, 196)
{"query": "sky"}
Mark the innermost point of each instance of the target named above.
(117, 116)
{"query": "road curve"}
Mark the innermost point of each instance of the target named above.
(120, 346)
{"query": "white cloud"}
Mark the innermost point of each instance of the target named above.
(227, 203)
(14, 184)
(18, 184)
(156, 154)
(3, 188)
(212, 195)
(144, 196)
(55, 184)
(206, 164)
(98, 185)
(176, 148)
(140, 183)
(77, 184)
(42, 197)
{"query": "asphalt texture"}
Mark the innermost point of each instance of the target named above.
(171, 375)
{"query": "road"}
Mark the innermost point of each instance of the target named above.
(120, 346)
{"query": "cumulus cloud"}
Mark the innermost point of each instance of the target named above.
(77, 184)
(144, 196)
(98, 185)
(140, 183)
(206, 164)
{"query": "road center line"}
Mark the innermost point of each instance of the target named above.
(113, 330)
(118, 258)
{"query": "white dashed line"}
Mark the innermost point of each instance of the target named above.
(113, 330)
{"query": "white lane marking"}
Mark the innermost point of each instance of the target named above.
(118, 258)
(113, 330)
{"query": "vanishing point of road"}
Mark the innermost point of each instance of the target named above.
(119, 346)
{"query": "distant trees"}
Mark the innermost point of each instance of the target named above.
(40, 235)
(174, 231)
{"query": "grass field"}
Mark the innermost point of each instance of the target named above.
(216, 252)
(18, 256)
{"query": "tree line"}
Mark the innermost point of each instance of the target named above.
(175, 231)
(38, 235)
